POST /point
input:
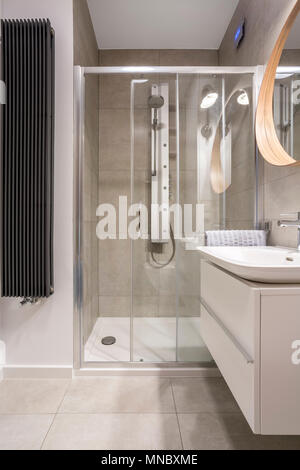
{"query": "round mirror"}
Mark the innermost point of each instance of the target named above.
(278, 111)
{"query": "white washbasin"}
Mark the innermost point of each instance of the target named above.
(261, 264)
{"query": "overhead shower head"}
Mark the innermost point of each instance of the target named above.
(209, 100)
(156, 101)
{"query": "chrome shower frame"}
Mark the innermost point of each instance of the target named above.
(169, 369)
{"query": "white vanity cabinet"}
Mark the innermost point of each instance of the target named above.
(250, 329)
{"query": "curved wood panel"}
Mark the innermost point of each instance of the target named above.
(267, 140)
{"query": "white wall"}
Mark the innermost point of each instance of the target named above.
(43, 334)
(1, 333)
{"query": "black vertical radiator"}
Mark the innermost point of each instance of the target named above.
(27, 159)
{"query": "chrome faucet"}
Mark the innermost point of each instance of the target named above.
(291, 223)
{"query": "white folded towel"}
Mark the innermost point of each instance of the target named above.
(236, 238)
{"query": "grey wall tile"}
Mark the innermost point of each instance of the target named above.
(188, 57)
(145, 306)
(114, 306)
(114, 267)
(114, 139)
(85, 43)
(128, 57)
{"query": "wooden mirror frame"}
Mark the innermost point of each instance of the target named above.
(266, 136)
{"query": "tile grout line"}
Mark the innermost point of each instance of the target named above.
(178, 424)
(56, 413)
(47, 433)
(67, 389)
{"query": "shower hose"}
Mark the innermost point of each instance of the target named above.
(164, 265)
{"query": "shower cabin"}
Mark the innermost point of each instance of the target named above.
(176, 138)
(286, 108)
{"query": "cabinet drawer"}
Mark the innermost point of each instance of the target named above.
(280, 377)
(233, 362)
(234, 301)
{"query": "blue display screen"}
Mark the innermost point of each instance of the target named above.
(239, 34)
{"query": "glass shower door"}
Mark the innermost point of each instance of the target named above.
(217, 174)
(154, 176)
(157, 140)
(200, 98)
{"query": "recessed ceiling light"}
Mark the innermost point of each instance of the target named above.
(209, 100)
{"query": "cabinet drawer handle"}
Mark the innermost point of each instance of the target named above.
(241, 349)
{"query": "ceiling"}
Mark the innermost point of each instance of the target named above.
(161, 24)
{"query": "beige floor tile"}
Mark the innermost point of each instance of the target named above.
(272, 443)
(119, 395)
(203, 395)
(114, 432)
(212, 430)
(228, 431)
(23, 432)
(31, 396)
(276, 443)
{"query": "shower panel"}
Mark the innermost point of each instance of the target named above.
(159, 104)
(137, 299)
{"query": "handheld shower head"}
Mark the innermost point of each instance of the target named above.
(156, 101)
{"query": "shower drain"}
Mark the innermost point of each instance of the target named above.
(108, 341)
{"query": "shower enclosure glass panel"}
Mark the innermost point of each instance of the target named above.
(217, 173)
(155, 139)
(201, 99)
(89, 177)
(154, 166)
